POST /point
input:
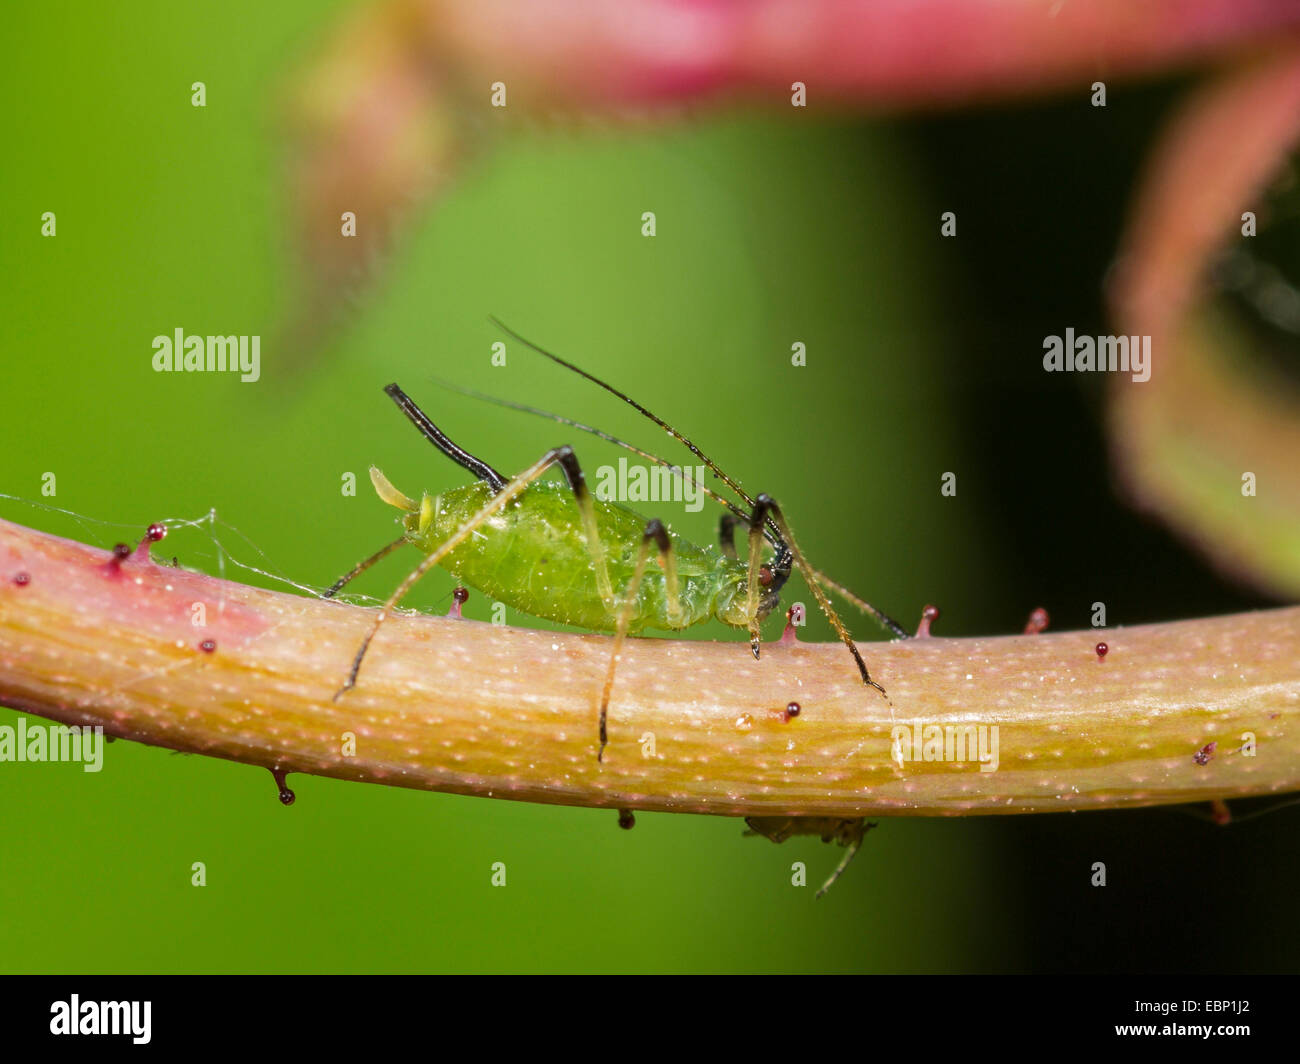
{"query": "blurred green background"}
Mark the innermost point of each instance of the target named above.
(923, 357)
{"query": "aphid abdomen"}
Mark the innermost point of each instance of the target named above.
(534, 558)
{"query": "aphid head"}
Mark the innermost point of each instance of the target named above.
(732, 602)
(772, 578)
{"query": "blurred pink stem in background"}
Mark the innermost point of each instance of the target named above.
(591, 53)
(400, 90)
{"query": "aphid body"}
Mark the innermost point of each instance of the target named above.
(534, 556)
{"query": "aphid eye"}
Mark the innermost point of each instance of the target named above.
(765, 575)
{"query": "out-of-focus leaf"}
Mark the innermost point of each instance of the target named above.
(1210, 414)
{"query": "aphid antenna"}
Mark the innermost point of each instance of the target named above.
(1267, 810)
(1197, 813)
(608, 437)
(678, 436)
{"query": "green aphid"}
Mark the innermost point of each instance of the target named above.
(534, 556)
(553, 550)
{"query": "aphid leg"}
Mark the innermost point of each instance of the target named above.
(361, 567)
(655, 534)
(727, 535)
(778, 829)
(498, 502)
(757, 570)
(810, 576)
(851, 836)
(568, 462)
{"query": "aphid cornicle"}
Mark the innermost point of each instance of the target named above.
(553, 550)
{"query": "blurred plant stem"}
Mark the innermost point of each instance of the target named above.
(397, 96)
(1209, 443)
(1180, 712)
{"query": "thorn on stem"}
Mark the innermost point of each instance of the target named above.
(928, 616)
(155, 533)
(120, 554)
(287, 796)
(791, 634)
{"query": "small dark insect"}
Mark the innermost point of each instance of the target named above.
(1205, 754)
(626, 820)
(831, 829)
